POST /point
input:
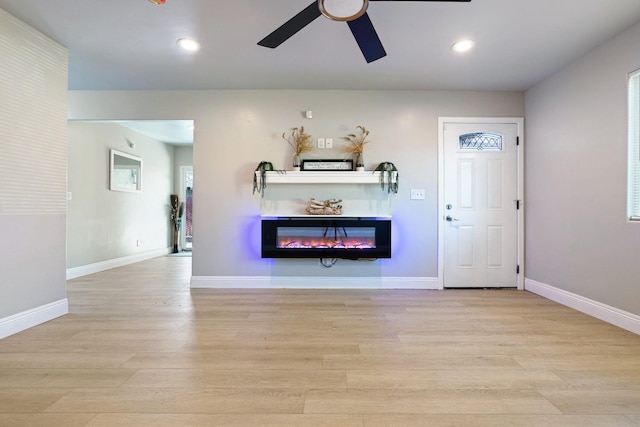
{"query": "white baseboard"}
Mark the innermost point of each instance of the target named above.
(84, 270)
(34, 317)
(617, 317)
(284, 282)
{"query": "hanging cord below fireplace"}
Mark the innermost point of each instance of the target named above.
(328, 262)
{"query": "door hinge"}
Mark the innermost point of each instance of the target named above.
(518, 204)
(518, 269)
(517, 140)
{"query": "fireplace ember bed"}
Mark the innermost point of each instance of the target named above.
(327, 237)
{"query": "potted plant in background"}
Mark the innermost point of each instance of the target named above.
(260, 176)
(177, 209)
(355, 145)
(388, 176)
(300, 141)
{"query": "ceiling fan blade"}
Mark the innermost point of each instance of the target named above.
(367, 38)
(461, 1)
(292, 26)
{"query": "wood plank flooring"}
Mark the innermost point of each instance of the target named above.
(139, 348)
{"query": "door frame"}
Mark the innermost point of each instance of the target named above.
(183, 196)
(519, 122)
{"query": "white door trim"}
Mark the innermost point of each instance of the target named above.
(519, 122)
(183, 197)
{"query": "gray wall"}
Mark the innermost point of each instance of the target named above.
(33, 91)
(104, 225)
(234, 130)
(578, 237)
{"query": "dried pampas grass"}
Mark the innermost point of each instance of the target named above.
(299, 140)
(356, 141)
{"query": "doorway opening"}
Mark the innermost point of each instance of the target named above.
(108, 228)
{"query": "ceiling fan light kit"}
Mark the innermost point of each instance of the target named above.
(341, 10)
(353, 12)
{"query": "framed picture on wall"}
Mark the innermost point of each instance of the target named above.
(327, 165)
(125, 172)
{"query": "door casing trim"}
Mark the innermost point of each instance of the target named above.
(183, 196)
(519, 122)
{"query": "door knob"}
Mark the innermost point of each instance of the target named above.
(450, 218)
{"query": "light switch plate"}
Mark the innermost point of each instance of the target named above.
(328, 143)
(417, 194)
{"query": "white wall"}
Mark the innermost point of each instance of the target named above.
(103, 225)
(234, 130)
(578, 237)
(33, 92)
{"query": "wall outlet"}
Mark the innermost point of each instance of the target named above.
(328, 143)
(69, 195)
(138, 242)
(417, 194)
(321, 142)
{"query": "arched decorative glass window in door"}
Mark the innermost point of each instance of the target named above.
(481, 141)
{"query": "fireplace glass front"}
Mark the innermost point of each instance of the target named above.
(350, 238)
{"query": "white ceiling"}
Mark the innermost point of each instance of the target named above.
(174, 132)
(130, 44)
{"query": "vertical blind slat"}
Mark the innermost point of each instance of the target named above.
(634, 146)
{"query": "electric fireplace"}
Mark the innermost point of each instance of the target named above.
(347, 238)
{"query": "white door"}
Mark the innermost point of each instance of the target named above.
(480, 212)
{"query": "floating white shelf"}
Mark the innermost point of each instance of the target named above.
(287, 193)
(323, 177)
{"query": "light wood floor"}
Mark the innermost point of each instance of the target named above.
(140, 348)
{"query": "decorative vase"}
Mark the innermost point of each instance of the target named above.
(359, 162)
(176, 236)
(296, 162)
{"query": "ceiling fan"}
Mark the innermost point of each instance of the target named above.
(354, 12)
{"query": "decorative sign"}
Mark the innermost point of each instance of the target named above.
(327, 165)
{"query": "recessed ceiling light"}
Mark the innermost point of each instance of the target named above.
(463, 46)
(189, 44)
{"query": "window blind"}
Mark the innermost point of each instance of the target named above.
(33, 121)
(634, 146)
